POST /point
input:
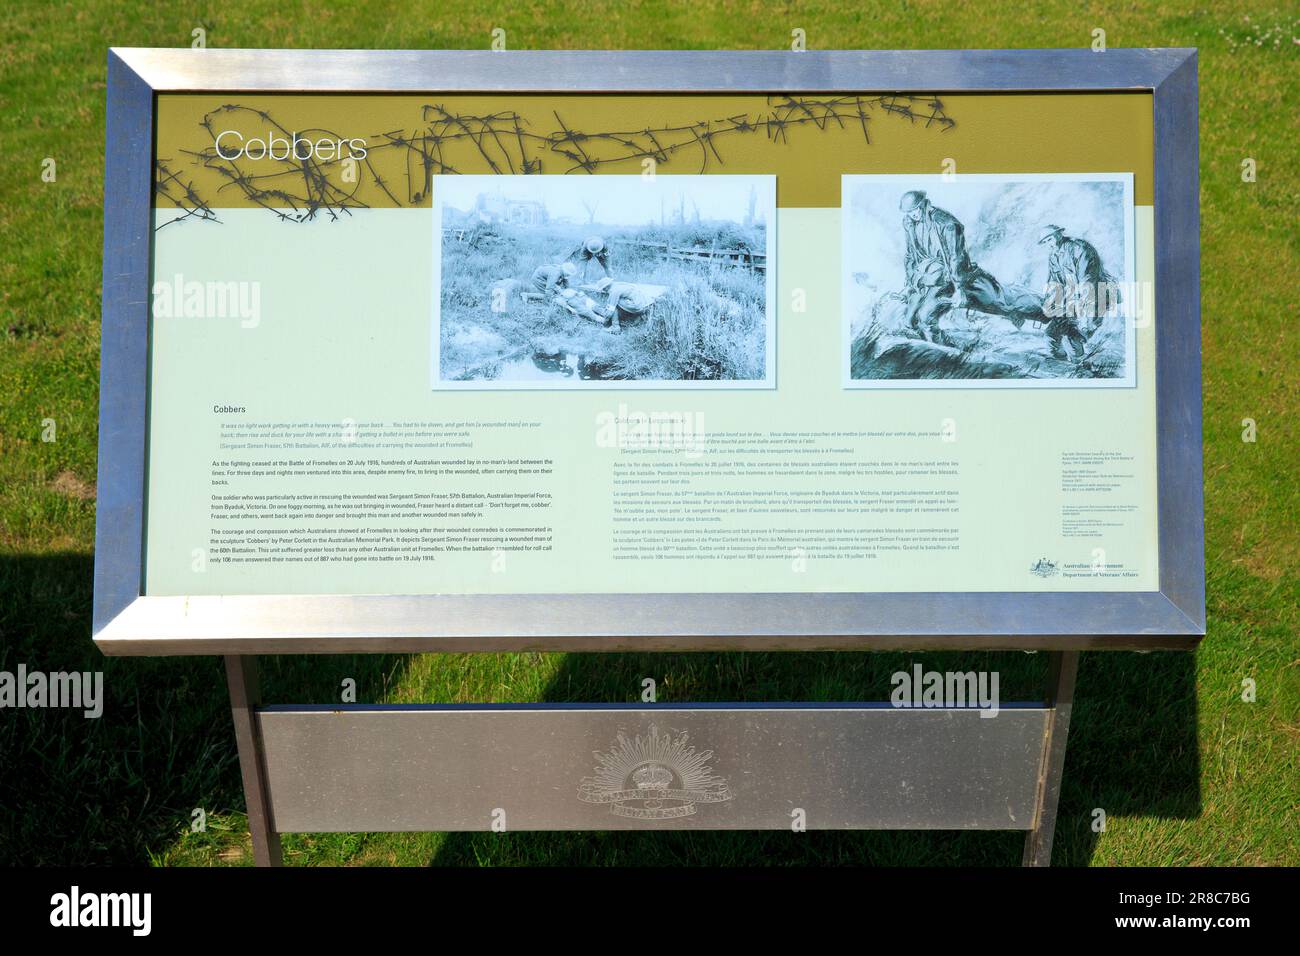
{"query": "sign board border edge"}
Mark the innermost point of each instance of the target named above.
(128, 623)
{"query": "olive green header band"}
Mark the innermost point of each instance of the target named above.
(323, 153)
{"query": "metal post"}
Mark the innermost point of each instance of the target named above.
(241, 676)
(1063, 667)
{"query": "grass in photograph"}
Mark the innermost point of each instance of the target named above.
(708, 325)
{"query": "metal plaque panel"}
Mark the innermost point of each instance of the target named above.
(721, 767)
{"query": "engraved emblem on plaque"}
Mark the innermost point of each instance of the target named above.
(656, 777)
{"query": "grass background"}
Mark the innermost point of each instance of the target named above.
(1186, 772)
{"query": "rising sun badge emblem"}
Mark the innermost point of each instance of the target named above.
(656, 777)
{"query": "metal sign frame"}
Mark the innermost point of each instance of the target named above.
(477, 767)
(128, 622)
(855, 766)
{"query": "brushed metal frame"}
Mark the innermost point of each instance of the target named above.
(451, 767)
(126, 622)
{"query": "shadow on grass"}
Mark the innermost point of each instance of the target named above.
(1133, 746)
(107, 791)
(76, 791)
(1132, 752)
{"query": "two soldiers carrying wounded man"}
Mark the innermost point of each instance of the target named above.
(941, 277)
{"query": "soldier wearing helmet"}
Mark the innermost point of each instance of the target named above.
(1079, 289)
(550, 277)
(940, 274)
(627, 301)
(593, 247)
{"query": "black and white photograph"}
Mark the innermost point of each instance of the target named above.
(988, 280)
(607, 281)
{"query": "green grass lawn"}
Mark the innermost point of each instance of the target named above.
(1186, 772)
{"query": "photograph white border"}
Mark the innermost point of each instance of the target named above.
(935, 183)
(767, 196)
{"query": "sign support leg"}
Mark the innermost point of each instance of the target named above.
(245, 696)
(1063, 667)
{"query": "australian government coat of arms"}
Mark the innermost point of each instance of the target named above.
(656, 777)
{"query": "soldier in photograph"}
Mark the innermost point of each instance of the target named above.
(582, 305)
(550, 277)
(593, 247)
(940, 274)
(1078, 285)
(627, 301)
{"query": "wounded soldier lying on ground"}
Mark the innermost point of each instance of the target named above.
(624, 302)
(580, 304)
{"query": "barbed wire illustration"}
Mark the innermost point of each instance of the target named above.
(169, 188)
(300, 189)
